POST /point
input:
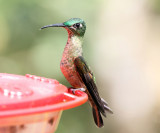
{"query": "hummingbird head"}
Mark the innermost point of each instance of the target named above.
(74, 26)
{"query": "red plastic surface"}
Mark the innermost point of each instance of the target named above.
(23, 95)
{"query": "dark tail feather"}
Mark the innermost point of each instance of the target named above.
(97, 117)
(108, 109)
(106, 106)
(104, 102)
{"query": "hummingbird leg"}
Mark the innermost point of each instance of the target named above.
(73, 90)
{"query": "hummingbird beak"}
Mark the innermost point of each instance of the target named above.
(54, 25)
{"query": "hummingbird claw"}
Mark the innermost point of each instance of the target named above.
(74, 90)
(82, 89)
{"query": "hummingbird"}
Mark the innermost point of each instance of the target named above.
(76, 70)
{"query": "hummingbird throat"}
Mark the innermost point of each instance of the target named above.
(74, 45)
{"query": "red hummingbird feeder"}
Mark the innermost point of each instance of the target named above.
(32, 104)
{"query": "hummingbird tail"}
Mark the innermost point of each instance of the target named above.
(106, 107)
(97, 117)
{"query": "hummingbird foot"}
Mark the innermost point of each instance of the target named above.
(73, 90)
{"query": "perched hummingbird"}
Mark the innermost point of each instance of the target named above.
(76, 70)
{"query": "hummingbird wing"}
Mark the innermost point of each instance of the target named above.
(87, 78)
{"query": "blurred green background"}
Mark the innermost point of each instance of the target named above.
(114, 31)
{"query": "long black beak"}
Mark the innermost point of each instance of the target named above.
(53, 25)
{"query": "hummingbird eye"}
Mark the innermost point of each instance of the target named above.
(77, 25)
